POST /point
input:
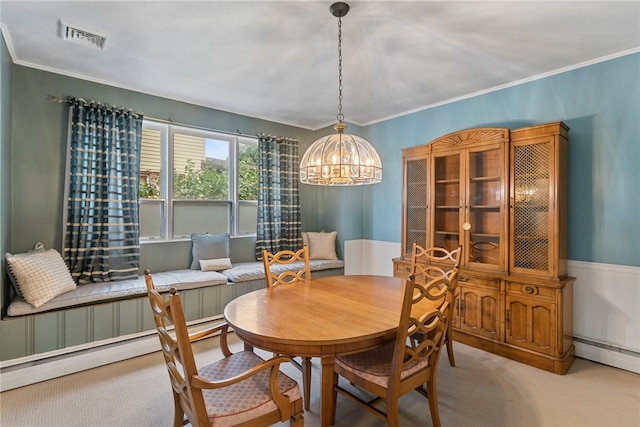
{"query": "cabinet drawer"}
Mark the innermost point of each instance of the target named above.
(401, 269)
(464, 280)
(531, 290)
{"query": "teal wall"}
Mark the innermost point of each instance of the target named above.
(601, 105)
(6, 92)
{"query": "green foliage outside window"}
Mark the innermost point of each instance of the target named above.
(248, 172)
(207, 183)
(150, 189)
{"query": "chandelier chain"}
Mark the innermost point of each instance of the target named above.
(340, 116)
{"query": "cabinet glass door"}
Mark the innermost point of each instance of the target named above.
(484, 222)
(446, 212)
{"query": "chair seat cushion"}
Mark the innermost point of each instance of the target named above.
(375, 365)
(246, 400)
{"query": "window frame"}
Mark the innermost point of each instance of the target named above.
(166, 198)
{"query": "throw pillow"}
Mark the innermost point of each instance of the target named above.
(208, 246)
(41, 276)
(321, 245)
(38, 247)
(215, 264)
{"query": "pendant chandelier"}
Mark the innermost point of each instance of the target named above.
(340, 158)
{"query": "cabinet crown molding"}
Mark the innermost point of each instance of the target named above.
(460, 139)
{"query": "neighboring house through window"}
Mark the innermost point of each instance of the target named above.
(195, 181)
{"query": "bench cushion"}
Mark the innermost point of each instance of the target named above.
(179, 279)
(247, 271)
(107, 291)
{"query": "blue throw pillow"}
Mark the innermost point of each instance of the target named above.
(208, 246)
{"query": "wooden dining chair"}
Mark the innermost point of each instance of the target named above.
(434, 262)
(271, 262)
(241, 388)
(405, 363)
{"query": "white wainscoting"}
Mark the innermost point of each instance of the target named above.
(606, 313)
(370, 257)
(606, 302)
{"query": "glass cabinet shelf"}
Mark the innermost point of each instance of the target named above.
(485, 206)
(485, 179)
(486, 235)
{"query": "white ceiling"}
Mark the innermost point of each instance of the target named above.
(277, 60)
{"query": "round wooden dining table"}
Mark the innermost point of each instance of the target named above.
(321, 317)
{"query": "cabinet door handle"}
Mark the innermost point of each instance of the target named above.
(528, 289)
(463, 279)
(407, 269)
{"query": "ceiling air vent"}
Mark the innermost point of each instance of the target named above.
(84, 36)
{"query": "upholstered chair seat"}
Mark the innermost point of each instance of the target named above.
(246, 400)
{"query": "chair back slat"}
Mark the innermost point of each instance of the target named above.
(433, 262)
(286, 257)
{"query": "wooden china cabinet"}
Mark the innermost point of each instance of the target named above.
(502, 195)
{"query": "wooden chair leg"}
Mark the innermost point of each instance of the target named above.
(449, 342)
(297, 415)
(393, 419)
(306, 381)
(334, 397)
(179, 418)
(452, 360)
(433, 402)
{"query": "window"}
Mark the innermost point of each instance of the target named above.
(194, 181)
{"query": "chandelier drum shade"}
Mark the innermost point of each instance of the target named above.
(340, 158)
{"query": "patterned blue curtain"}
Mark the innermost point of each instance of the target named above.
(279, 224)
(102, 229)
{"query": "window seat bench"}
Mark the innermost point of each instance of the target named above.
(182, 280)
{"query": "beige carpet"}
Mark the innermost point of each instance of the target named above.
(482, 390)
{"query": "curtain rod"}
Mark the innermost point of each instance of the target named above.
(172, 122)
(69, 100)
